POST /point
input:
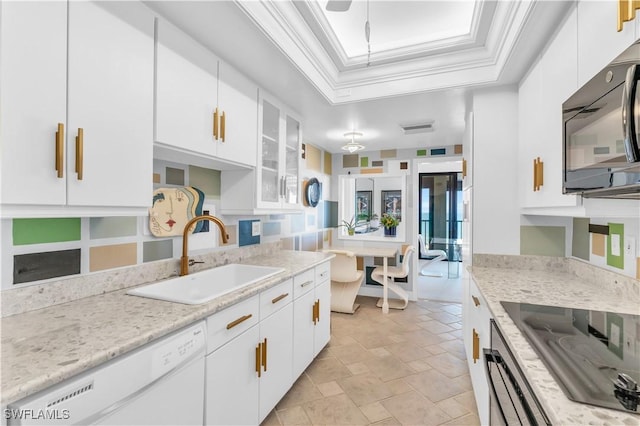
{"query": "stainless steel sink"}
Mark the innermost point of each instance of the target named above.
(201, 287)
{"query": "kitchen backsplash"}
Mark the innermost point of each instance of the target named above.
(48, 251)
(608, 243)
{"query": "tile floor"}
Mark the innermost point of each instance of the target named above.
(405, 368)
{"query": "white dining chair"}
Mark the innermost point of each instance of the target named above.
(345, 281)
(433, 257)
(401, 271)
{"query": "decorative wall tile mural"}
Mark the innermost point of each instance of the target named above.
(247, 234)
(206, 180)
(350, 160)
(615, 245)
(112, 227)
(157, 250)
(580, 238)
(174, 176)
(542, 240)
(112, 256)
(388, 153)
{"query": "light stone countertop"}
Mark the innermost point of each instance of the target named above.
(46, 346)
(551, 284)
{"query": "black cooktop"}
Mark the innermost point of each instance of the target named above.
(593, 355)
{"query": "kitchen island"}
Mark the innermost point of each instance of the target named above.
(555, 282)
(43, 347)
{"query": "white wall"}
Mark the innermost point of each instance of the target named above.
(495, 199)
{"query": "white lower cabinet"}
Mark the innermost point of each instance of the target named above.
(311, 316)
(255, 348)
(476, 329)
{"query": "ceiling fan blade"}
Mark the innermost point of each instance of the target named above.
(338, 5)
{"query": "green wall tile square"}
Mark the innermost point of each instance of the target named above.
(421, 153)
(615, 245)
(364, 161)
(39, 231)
(206, 180)
(580, 240)
(542, 240)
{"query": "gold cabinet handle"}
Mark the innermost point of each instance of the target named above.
(264, 354)
(79, 152)
(279, 298)
(215, 124)
(476, 301)
(238, 321)
(223, 126)
(60, 150)
(538, 174)
(476, 346)
(626, 11)
(258, 359)
(318, 310)
(464, 168)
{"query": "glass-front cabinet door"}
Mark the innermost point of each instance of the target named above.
(270, 188)
(292, 148)
(278, 176)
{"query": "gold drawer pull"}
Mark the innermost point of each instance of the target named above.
(258, 359)
(60, 150)
(476, 301)
(264, 354)
(215, 124)
(476, 346)
(223, 122)
(238, 321)
(306, 283)
(464, 168)
(279, 298)
(80, 152)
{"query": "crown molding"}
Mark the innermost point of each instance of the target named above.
(475, 59)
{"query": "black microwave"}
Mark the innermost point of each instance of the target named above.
(601, 131)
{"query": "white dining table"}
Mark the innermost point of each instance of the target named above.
(385, 253)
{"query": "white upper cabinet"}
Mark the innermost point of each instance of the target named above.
(203, 106)
(238, 112)
(186, 91)
(107, 102)
(599, 42)
(549, 83)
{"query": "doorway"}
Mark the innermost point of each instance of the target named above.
(440, 212)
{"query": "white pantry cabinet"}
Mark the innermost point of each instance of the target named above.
(77, 117)
(476, 337)
(551, 80)
(203, 106)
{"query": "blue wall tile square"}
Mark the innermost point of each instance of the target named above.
(244, 231)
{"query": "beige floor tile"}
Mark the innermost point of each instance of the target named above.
(373, 339)
(326, 370)
(434, 385)
(294, 416)
(271, 420)
(456, 325)
(448, 365)
(399, 386)
(391, 421)
(444, 317)
(407, 351)
(420, 365)
(303, 390)
(468, 400)
(424, 338)
(468, 420)
(456, 333)
(340, 340)
(455, 347)
(435, 327)
(358, 368)
(351, 353)
(414, 409)
(379, 352)
(454, 309)
(365, 389)
(453, 408)
(375, 412)
(389, 368)
(334, 410)
(435, 349)
(330, 389)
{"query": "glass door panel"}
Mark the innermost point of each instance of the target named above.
(270, 188)
(291, 161)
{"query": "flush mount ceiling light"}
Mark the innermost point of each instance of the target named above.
(353, 146)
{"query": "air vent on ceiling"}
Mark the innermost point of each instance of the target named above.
(424, 127)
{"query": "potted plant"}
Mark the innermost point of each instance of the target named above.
(351, 226)
(390, 223)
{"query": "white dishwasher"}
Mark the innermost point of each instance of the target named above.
(161, 383)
